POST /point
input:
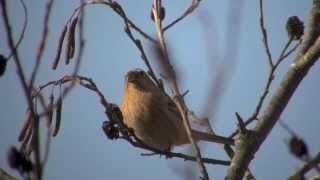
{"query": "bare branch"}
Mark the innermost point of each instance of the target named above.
(306, 168)
(169, 154)
(286, 54)
(189, 10)
(116, 7)
(265, 92)
(42, 42)
(264, 33)
(14, 51)
(245, 149)
(25, 23)
(133, 25)
(174, 87)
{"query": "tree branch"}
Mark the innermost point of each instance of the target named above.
(174, 87)
(306, 168)
(264, 33)
(189, 10)
(42, 43)
(248, 144)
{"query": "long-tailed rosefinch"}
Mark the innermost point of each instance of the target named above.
(153, 115)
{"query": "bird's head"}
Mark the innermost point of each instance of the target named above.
(139, 79)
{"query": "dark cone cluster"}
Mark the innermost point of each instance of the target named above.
(294, 27)
(18, 160)
(3, 64)
(110, 129)
(298, 147)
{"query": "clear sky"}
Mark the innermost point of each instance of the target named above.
(81, 150)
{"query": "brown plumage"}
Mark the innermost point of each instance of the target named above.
(153, 115)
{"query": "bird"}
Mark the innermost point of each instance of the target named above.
(154, 117)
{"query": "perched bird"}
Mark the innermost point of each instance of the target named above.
(153, 115)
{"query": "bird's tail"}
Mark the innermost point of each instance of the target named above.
(212, 138)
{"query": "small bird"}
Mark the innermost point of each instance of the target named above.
(153, 115)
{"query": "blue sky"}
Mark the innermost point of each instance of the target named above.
(81, 150)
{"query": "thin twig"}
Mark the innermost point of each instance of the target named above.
(241, 124)
(144, 58)
(131, 23)
(264, 33)
(283, 55)
(14, 51)
(116, 7)
(169, 154)
(135, 27)
(22, 78)
(48, 140)
(189, 10)
(25, 23)
(42, 43)
(174, 87)
(39, 53)
(145, 35)
(280, 59)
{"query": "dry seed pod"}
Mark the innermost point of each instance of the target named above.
(50, 110)
(58, 117)
(111, 130)
(298, 147)
(32, 144)
(18, 160)
(29, 146)
(294, 27)
(27, 137)
(59, 47)
(3, 64)
(26, 125)
(70, 49)
(162, 14)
